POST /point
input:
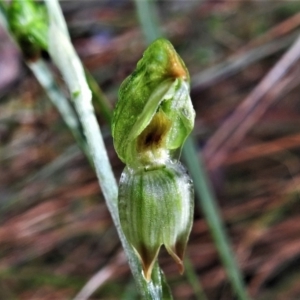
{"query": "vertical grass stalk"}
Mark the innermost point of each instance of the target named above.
(66, 59)
(149, 21)
(47, 81)
(212, 215)
(45, 77)
(148, 17)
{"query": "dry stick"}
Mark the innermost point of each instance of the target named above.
(284, 87)
(231, 132)
(271, 265)
(266, 44)
(239, 61)
(130, 42)
(102, 276)
(275, 32)
(265, 149)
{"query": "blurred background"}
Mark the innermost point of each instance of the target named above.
(56, 232)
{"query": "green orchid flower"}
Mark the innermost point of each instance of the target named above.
(154, 112)
(153, 117)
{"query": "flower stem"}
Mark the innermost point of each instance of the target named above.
(66, 59)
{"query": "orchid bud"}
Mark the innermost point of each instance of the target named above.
(153, 117)
(28, 22)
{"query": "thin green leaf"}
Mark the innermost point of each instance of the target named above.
(207, 201)
(150, 25)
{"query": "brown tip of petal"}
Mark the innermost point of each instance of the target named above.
(177, 255)
(177, 69)
(180, 266)
(147, 271)
(147, 259)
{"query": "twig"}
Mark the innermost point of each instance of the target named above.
(100, 278)
(238, 62)
(231, 132)
(275, 32)
(264, 149)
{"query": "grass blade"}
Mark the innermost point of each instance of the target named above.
(66, 59)
(207, 201)
(203, 189)
(147, 14)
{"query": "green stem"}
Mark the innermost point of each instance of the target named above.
(45, 78)
(3, 17)
(99, 98)
(193, 280)
(207, 201)
(66, 59)
(148, 17)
